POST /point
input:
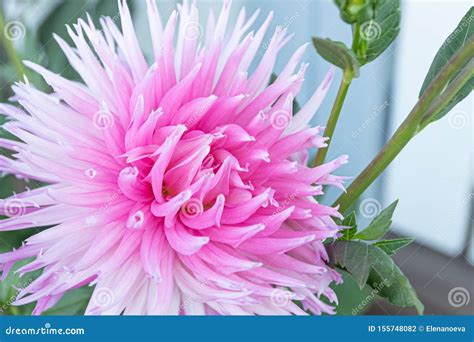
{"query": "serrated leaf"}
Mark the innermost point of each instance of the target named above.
(379, 225)
(338, 54)
(350, 222)
(369, 264)
(456, 40)
(400, 293)
(390, 247)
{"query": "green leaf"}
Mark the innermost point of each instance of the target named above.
(354, 256)
(10, 288)
(379, 225)
(373, 35)
(110, 8)
(296, 106)
(375, 25)
(456, 40)
(401, 293)
(73, 303)
(65, 12)
(68, 13)
(370, 264)
(350, 222)
(338, 54)
(390, 247)
(350, 296)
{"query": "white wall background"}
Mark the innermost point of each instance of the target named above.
(433, 175)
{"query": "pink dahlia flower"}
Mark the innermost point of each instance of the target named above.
(175, 188)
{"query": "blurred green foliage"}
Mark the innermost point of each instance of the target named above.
(38, 45)
(67, 13)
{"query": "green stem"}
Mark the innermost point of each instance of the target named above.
(10, 49)
(356, 37)
(334, 116)
(411, 126)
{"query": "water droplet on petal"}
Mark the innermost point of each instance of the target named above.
(135, 221)
(91, 173)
